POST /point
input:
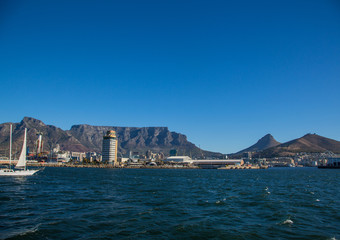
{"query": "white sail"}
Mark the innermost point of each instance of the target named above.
(22, 158)
(21, 163)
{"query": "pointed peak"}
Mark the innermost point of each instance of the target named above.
(268, 136)
(31, 121)
(267, 141)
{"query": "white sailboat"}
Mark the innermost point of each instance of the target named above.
(21, 165)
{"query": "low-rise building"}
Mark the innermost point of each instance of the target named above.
(211, 163)
(178, 159)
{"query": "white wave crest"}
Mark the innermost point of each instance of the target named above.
(288, 221)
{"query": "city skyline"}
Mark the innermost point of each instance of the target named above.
(224, 74)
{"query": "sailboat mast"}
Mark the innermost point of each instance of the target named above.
(25, 148)
(10, 146)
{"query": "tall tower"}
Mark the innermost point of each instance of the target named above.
(110, 147)
(39, 143)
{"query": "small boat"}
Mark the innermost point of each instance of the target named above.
(21, 168)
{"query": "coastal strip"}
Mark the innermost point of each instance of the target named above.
(66, 165)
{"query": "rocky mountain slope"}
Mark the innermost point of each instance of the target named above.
(307, 143)
(83, 138)
(51, 136)
(265, 142)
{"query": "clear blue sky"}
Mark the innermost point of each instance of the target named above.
(224, 73)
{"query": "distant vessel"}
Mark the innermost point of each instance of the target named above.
(21, 165)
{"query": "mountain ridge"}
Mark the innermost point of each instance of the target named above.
(307, 143)
(85, 137)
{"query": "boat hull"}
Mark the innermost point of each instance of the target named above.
(18, 172)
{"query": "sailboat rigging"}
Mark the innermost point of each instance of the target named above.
(21, 168)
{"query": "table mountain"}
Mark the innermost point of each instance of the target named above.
(83, 138)
(156, 139)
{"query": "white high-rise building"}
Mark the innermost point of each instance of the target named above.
(110, 147)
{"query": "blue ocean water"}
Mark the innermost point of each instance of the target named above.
(89, 203)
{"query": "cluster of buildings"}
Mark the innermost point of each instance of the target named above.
(109, 156)
(109, 153)
(301, 159)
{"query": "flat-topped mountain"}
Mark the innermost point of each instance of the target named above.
(265, 142)
(142, 139)
(83, 138)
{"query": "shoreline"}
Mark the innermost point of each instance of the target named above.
(139, 167)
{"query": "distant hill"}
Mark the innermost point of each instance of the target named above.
(83, 138)
(307, 143)
(265, 142)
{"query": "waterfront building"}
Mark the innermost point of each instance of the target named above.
(333, 162)
(92, 156)
(219, 163)
(124, 160)
(178, 159)
(110, 147)
(63, 156)
(77, 156)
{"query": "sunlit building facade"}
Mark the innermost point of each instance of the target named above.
(110, 147)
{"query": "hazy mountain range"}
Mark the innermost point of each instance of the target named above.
(83, 138)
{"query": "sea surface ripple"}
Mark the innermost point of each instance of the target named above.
(89, 203)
